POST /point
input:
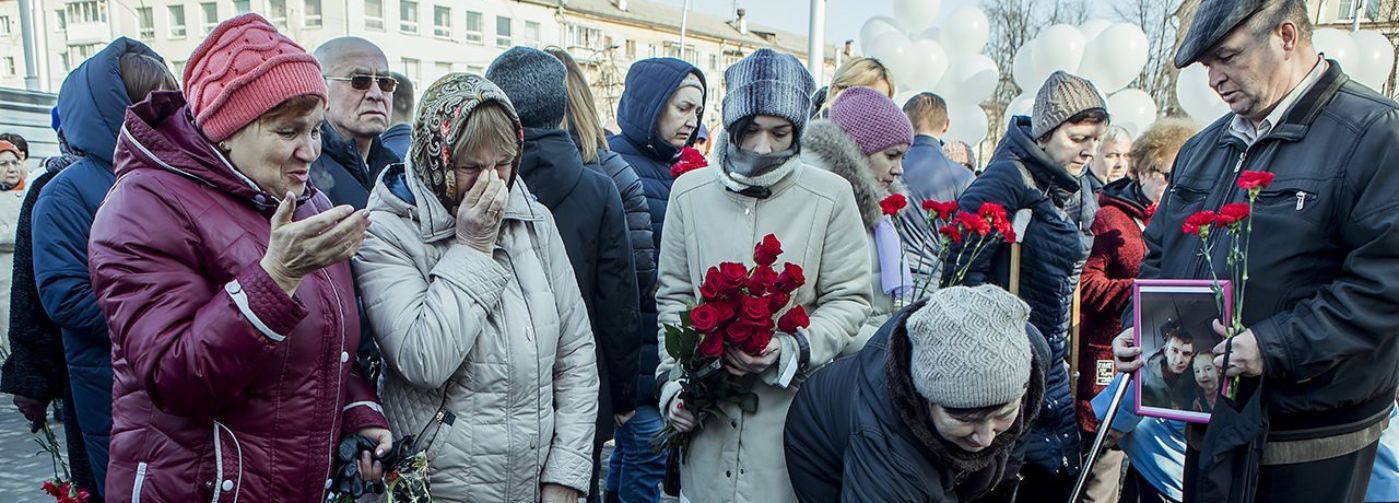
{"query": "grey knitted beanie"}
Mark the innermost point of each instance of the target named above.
(969, 348)
(534, 81)
(768, 83)
(1061, 97)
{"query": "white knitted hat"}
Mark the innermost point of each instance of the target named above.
(969, 347)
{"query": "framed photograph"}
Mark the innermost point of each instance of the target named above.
(1174, 329)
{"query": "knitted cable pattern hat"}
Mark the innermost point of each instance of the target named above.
(969, 348)
(768, 83)
(535, 83)
(243, 69)
(873, 120)
(1059, 99)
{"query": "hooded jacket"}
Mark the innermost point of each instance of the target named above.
(489, 358)
(588, 213)
(813, 214)
(1021, 176)
(859, 431)
(1108, 275)
(826, 146)
(92, 102)
(225, 388)
(650, 84)
(342, 174)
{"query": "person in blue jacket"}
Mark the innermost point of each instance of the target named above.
(92, 106)
(659, 113)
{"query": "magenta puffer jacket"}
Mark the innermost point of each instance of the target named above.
(225, 389)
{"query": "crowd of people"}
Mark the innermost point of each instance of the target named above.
(289, 274)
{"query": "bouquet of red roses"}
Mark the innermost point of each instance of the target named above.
(690, 160)
(736, 313)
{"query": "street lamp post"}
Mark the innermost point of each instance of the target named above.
(816, 42)
(26, 30)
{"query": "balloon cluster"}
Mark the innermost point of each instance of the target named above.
(1111, 55)
(947, 60)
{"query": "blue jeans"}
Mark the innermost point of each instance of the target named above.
(635, 470)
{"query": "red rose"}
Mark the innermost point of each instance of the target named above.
(732, 277)
(778, 300)
(740, 331)
(893, 204)
(758, 343)
(712, 287)
(1253, 180)
(705, 318)
(951, 232)
(763, 279)
(712, 346)
(791, 278)
(767, 250)
(756, 308)
(941, 210)
(793, 319)
(1232, 213)
(725, 310)
(1199, 223)
(973, 224)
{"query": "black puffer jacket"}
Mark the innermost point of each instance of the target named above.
(859, 431)
(342, 174)
(1021, 176)
(35, 368)
(1323, 296)
(590, 220)
(639, 231)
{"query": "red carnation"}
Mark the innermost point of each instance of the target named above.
(951, 232)
(51, 488)
(1232, 213)
(767, 250)
(705, 318)
(690, 160)
(778, 300)
(794, 318)
(1199, 223)
(791, 278)
(732, 277)
(943, 209)
(1254, 180)
(763, 279)
(756, 308)
(973, 224)
(893, 204)
(712, 346)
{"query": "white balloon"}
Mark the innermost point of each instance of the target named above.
(1092, 27)
(1021, 105)
(977, 76)
(966, 30)
(1337, 45)
(895, 51)
(1023, 67)
(916, 16)
(1115, 58)
(1196, 96)
(967, 122)
(873, 28)
(929, 67)
(1376, 55)
(934, 34)
(1059, 47)
(1132, 109)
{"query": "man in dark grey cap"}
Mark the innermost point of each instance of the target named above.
(1318, 359)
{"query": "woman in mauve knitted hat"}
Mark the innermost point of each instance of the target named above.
(225, 282)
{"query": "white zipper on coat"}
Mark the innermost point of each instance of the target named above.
(218, 463)
(140, 481)
(339, 387)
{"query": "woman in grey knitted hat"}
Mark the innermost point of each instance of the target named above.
(756, 185)
(1036, 171)
(929, 410)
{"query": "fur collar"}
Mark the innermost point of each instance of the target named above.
(827, 146)
(913, 411)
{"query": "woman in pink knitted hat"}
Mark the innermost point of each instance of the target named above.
(224, 279)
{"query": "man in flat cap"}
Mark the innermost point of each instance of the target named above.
(1319, 361)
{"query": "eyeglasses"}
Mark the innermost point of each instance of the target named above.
(362, 82)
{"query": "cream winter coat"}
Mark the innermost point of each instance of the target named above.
(503, 341)
(813, 214)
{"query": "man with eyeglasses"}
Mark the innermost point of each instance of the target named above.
(360, 89)
(1317, 363)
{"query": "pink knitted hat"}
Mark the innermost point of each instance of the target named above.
(242, 70)
(871, 119)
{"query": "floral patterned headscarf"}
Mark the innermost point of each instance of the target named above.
(442, 115)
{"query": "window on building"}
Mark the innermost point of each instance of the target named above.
(60, 21)
(413, 69)
(443, 68)
(312, 18)
(1346, 10)
(713, 62)
(86, 50)
(732, 56)
(475, 69)
(277, 13)
(145, 20)
(87, 12)
(532, 32)
(502, 32)
(4, 25)
(584, 37)
(374, 14)
(631, 49)
(475, 27)
(241, 6)
(210, 11)
(66, 60)
(672, 50)
(408, 17)
(177, 21)
(10, 66)
(442, 22)
(179, 67)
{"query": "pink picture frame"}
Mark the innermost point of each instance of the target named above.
(1172, 324)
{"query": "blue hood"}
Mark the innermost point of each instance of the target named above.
(650, 82)
(92, 102)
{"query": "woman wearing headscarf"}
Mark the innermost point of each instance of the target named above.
(224, 278)
(756, 185)
(489, 356)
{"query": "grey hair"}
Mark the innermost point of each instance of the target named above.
(1116, 134)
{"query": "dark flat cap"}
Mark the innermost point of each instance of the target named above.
(1213, 20)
